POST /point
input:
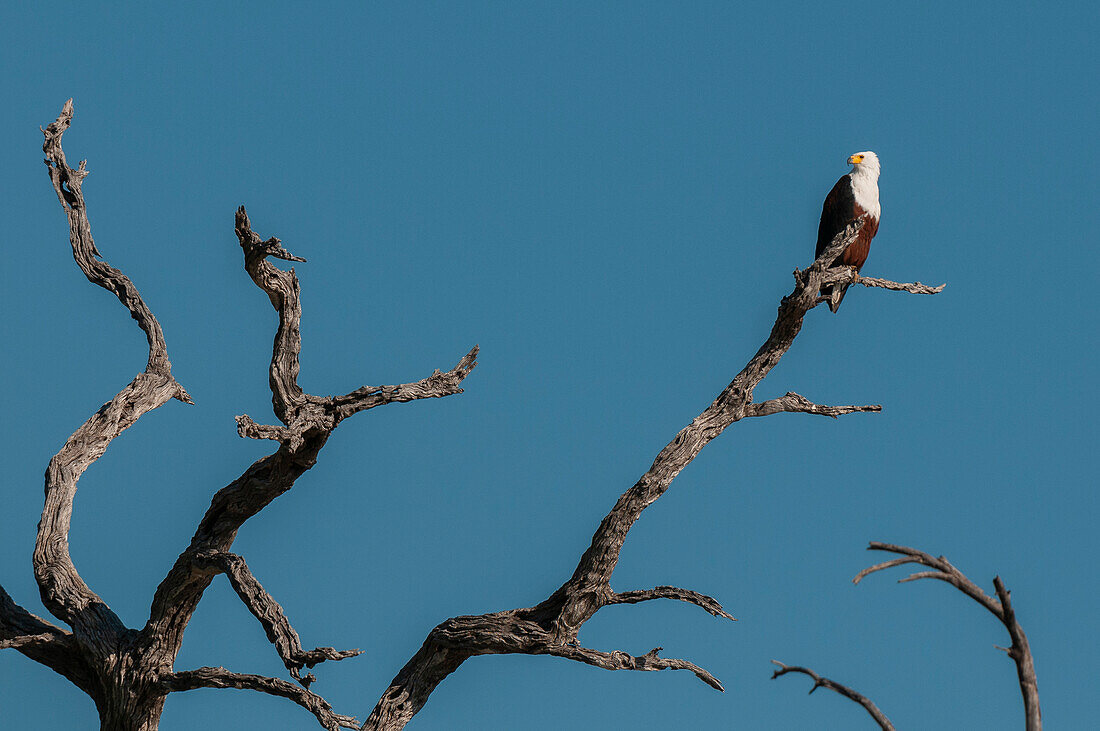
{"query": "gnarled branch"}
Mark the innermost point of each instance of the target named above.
(264, 608)
(795, 403)
(710, 604)
(551, 627)
(820, 682)
(307, 422)
(437, 385)
(25, 641)
(42, 642)
(1001, 608)
(129, 672)
(208, 677)
(625, 661)
(63, 592)
(846, 275)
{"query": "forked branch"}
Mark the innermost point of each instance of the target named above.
(307, 422)
(270, 614)
(820, 682)
(221, 678)
(1001, 608)
(552, 627)
(128, 673)
(63, 591)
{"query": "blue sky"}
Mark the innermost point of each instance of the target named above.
(609, 199)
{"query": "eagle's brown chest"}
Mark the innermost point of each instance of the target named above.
(856, 253)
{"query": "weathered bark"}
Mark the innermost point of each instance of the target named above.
(128, 673)
(42, 642)
(222, 678)
(308, 421)
(551, 627)
(270, 615)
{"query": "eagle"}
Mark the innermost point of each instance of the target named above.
(853, 196)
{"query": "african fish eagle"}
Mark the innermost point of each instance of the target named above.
(854, 195)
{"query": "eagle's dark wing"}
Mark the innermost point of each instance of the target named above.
(836, 213)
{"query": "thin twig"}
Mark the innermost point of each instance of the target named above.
(820, 682)
(795, 403)
(1001, 608)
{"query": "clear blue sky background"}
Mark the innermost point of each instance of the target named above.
(610, 200)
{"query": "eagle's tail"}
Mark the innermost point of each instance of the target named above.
(834, 295)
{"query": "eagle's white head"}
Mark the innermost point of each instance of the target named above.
(864, 178)
(865, 163)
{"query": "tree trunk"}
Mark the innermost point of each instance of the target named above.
(127, 714)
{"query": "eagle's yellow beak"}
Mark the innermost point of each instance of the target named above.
(855, 159)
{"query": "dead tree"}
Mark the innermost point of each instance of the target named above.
(129, 672)
(1001, 608)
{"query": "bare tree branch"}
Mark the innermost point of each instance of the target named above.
(264, 608)
(910, 287)
(551, 627)
(1001, 608)
(208, 677)
(16, 622)
(671, 592)
(624, 661)
(820, 682)
(116, 666)
(437, 385)
(598, 562)
(1020, 652)
(67, 184)
(795, 403)
(944, 571)
(129, 673)
(42, 642)
(516, 631)
(846, 275)
(63, 592)
(25, 641)
(307, 420)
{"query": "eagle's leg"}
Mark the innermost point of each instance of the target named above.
(855, 275)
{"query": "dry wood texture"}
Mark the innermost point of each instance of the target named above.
(551, 627)
(128, 672)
